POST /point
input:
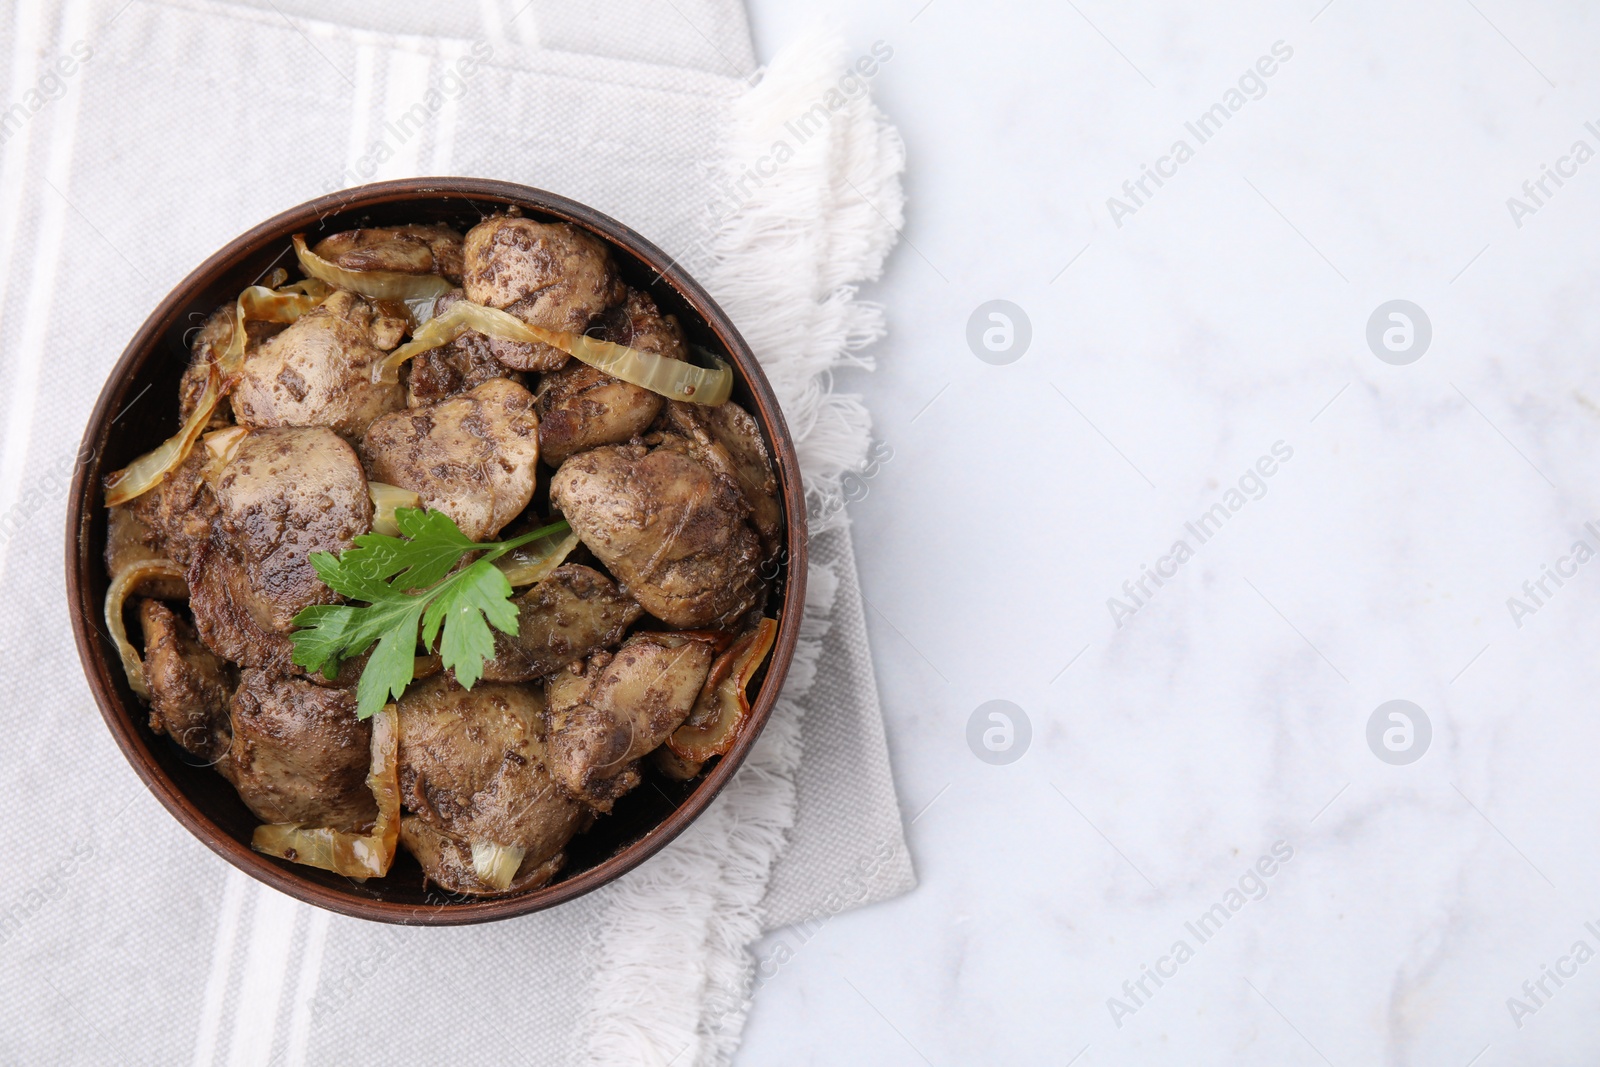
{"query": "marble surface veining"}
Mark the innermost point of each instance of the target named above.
(1202, 854)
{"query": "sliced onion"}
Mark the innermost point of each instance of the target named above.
(146, 472)
(128, 545)
(220, 447)
(671, 378)
(720, 712)
(674, 767)
(374, 284)
(116, 596)
(385, 499)
(221, 444)
(358, 856)
(420, 309)
(534, 561)
(308, 286)
(258, 303)
(268, 305)
(496, 865)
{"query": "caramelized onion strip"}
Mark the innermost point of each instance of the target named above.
(373, 284)
(672, 378)
(722, 708)
(258, 303)
(122, 586)
(358, 856)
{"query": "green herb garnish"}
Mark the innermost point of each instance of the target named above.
(406, 583)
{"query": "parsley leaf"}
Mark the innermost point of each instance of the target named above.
(407, 583)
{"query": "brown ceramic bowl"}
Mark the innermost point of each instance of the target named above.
(647, 818)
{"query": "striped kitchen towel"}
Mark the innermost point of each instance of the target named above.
(136, 136)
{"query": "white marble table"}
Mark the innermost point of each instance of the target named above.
(1429, 912)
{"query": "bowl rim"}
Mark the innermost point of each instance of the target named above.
(98, 657)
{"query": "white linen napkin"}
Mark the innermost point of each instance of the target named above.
(142, 135)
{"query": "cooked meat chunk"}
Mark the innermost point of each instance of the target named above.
(318, 372)
(286, 493)
(129, 540)
(671, 532)
(190, 688)
(411, 249)
(737, 431)
(473, 457)
(638, 323)
(508, 354)
(465, 363)
(621, 708)
(442, 372)
(447, 861)
(299, 753)
(549, 274)
(564, 694)
(130, 544)
(209, 343)
(224, 606)
(179, 510)
(727, 441)
(673, 767)
(582, 408)
(573, 612)
(472, 766)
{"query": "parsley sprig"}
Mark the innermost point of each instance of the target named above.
(406, 582)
